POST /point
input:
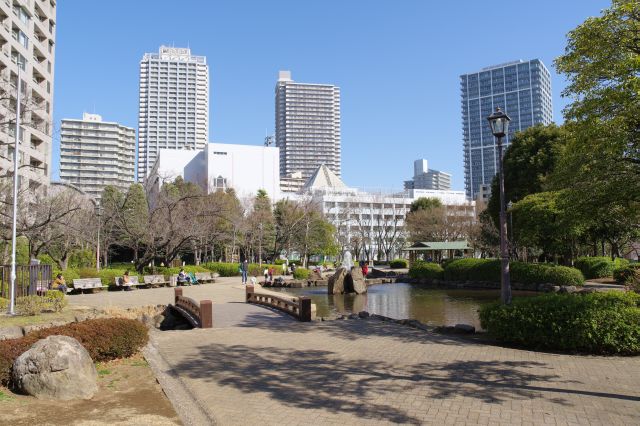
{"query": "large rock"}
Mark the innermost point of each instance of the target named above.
(336, 281)
(57, 367)
(355, 282)
(13, 332)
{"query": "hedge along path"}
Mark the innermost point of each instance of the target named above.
(105, 339)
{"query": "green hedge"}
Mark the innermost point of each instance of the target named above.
(104, 339)
(599, 323)
(599, 267)
(301, 273)
(525, 273)
(398, 263)
(628, 275)
(426, 270)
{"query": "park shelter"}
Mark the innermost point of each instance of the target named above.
(438, 250)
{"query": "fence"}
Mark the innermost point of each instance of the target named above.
(300, 308)
(29, 278)
(200, 315)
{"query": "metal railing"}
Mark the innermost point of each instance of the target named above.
(29, 279)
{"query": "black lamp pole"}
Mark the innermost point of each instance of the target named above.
(499, 122)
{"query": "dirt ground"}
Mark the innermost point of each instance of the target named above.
(128, 395)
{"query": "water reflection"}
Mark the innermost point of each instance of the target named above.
(434, 307)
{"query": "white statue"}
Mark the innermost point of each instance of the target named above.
(347, 262)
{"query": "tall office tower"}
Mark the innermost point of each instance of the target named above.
(27, 40)
(96, 153)
(174, 104)
(426, 178)
(523, 90)
(307, 126)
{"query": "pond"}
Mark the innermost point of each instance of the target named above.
(400, 301)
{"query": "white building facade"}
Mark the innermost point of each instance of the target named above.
(96, 153)
(174, 104)
(245, 168)
(373, 220)
(307, 126)
(27, 40)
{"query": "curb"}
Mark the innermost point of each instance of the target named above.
(189, 410)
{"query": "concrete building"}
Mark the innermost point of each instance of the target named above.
(27, 40)
(375, 219)
(96, 153)
(174, 104)
(307, 126)
(426, 178)
(523, 90)
(245, 168)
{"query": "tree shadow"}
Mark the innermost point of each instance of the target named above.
(325, 380)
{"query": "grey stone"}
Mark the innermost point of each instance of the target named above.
(13, 332)
(34, 327)
(336, 281)
(568, 289)
(465, 328)
(356, 281)
(57, 367)
(363, 314)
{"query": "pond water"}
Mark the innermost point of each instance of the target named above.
(400, 301)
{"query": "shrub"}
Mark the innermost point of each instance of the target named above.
(398, 263)
(301, 273)
(88, 273)
(30, 305)
(4, 304)
(224, 269)
(525, 273)
(599, 267)
(52, 301)
(426, 270)
(628, 275)
(56, 299)
(599, 323)
(105, 339)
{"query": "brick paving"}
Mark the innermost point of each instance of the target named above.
(262, 368)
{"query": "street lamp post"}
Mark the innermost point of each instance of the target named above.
(499, 122)
(12, 296)
(512, 246)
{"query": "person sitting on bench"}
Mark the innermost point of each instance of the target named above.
(126, 281)
(59, 284)
(192, 278)
(183, 279)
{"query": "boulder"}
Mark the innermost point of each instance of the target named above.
(57, 367)
(12, 332)
(359, 286)
(363, 314)
(336, 282)
(568, 289)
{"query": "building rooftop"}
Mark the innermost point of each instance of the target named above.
(322, 179)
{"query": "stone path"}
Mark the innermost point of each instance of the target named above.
(258, 367)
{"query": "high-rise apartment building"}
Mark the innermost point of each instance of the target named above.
(426, 178)
(96, 153)
(307, 126)
(523, 90)
(27, 42)
(174, 104)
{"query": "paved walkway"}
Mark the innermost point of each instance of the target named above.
(261, 368)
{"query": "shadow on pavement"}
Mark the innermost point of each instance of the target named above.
(322, 379)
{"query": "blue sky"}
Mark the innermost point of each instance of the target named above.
(397, 64)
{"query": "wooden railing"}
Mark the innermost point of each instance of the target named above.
(198, 314)
(298, 307)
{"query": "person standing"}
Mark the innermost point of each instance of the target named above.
(270, 274)
(244, 269)
(266, 275)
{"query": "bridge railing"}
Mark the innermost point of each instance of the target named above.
(198, 314)
(298, 307)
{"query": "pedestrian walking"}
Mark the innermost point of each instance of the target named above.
(244, 270)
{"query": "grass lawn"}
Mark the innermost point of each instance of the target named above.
(45, 318)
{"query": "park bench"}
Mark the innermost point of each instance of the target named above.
(155, 280)
(173, 280)
(88, 284)
(134, 282)
(206, 277)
